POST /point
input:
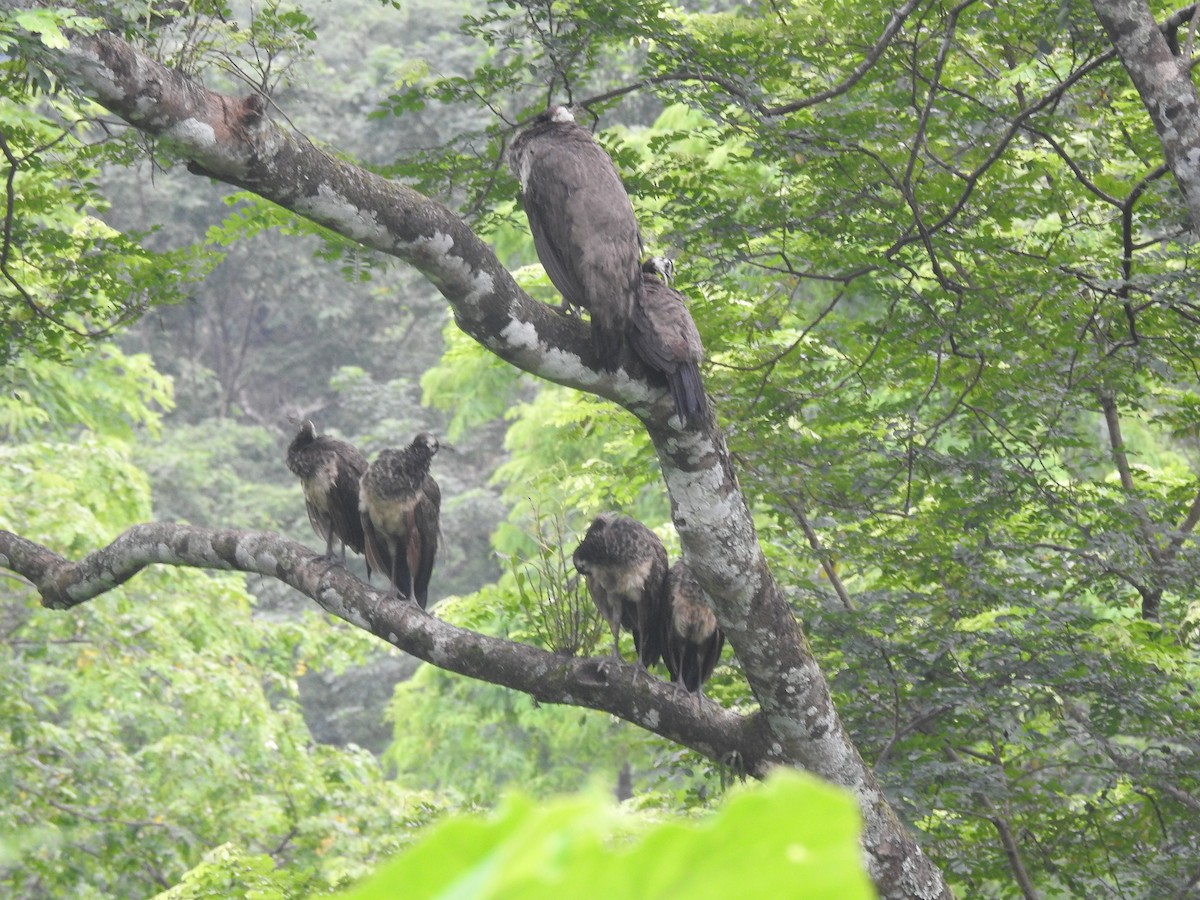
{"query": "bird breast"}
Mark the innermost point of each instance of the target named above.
(319, 485)
(390, 516)
(626, 581)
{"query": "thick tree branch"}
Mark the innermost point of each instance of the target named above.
(715, 732)
(232, 140)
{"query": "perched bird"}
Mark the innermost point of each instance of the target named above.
(693, 641)
(582, 222)
(665, 338)
(329, 471)
(400, 505)
(625, 566)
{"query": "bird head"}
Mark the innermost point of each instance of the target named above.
(426, 442)
(592, 542)
(580, 562)
(661, 266)
(548, 121)
(307, 430)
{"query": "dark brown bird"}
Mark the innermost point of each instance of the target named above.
(693, 641)
(664, 337)
(582, 223)
(625, 565)
(329, 471)
(400, 504)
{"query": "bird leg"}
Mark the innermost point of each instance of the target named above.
(412, 552)
(386, 596)
(328, 554)
(639, 670)
(395, 593)
(396, 590)
(405, 609)
(390, 594)
(605, 663)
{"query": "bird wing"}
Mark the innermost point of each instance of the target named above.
(673, 652)
(321, 523)
(379, 556)
(663, 332)
(664, 337)
(428, 528)
(687, 390)
(602, 226)
(343, 501)
(672, 641)
(709, 656)
(653, 608)
(604, 230)
(546, 197)
(585, 232)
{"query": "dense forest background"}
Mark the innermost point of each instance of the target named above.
(944, 279)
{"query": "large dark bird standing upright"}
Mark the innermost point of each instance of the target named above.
(693, 640)
(582, 222)
(665, 338)
(625, 565)
(329, 471)
(400, 505)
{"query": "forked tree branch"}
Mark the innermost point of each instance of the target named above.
(231, 139)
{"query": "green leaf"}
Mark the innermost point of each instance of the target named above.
(792, 836)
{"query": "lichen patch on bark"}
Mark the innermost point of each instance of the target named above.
(355, 222)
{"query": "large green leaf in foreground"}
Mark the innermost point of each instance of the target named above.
(792, 837)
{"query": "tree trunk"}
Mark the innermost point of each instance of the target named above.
(232, 140)
(1164, 82)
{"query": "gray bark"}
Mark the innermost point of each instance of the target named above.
(1164, 82)
(232, 140)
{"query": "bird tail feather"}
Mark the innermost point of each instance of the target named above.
(607, 346)
(687, 390)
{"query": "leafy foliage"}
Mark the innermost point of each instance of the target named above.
(946, 304)
(67, 277)
(124, 394)
(144, 730)
(947, 296)
(553, 598)
(585, 846)
(473, 742)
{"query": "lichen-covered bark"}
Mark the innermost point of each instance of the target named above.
(1164, 82)
(231, 139)
(716, 733)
